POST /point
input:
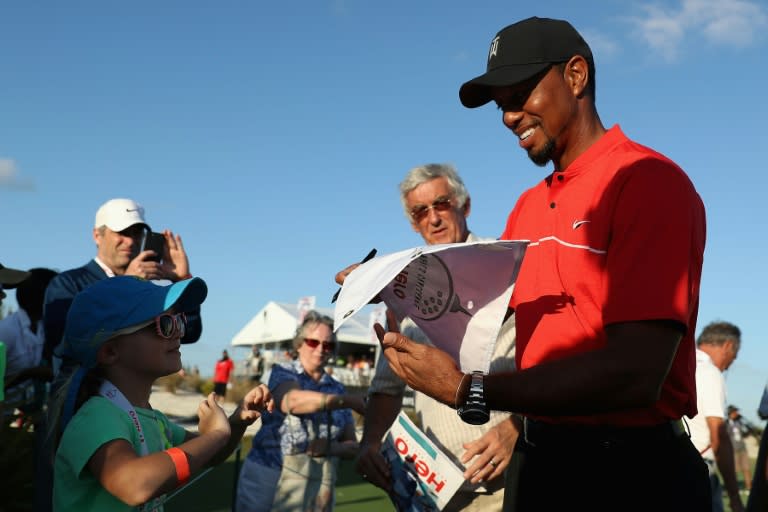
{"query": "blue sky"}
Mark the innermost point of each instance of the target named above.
(272, 135)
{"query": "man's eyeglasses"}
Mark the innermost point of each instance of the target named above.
(441, 204)
(328, 346)
(170, 326)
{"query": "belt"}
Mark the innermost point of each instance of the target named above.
(539, 433)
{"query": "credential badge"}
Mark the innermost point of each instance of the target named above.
(494, 48)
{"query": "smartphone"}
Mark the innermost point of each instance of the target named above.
(154, 242)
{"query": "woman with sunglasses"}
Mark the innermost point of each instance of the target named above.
(293, 459)
(117, 453)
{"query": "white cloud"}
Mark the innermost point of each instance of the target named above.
(8, 169)
(736, 23)
(9, 176)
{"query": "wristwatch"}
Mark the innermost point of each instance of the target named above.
(475, 411)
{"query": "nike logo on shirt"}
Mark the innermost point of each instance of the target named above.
(578, 223)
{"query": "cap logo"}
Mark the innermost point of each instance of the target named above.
(494, 48)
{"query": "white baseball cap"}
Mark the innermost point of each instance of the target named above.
(118, 214)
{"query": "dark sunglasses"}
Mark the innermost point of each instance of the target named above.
(442, 204)
(170, 326)
(328, 346)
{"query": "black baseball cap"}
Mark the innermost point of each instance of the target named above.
(10, 277)
(520, 51)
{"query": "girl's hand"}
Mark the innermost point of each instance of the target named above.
(258, 399)
(212, 417)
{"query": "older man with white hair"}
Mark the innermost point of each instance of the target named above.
(437, 205)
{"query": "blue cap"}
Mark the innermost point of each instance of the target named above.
(107, 307)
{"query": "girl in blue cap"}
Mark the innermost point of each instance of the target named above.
(116, 452)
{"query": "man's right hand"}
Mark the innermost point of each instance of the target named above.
(143, 267)
(372, 466)
(341, 276)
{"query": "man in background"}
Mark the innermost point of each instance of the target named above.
(717, 348)
(255, 363)
(10, 278)
(437, 205)
(118, 232)
(222, 374)
(23, 336)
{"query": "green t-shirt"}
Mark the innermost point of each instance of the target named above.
(97, 422)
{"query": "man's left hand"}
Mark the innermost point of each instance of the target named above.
(175, 261)
(491, 452)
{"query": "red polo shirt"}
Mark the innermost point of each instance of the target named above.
(618, 236)
(222, 370)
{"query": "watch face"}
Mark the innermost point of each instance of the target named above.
(474, 416)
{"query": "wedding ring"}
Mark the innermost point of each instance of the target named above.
(492, 463)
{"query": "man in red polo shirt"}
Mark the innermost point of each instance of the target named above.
(606, 299)
(221, 376)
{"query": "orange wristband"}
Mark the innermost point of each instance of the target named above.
(181, 462)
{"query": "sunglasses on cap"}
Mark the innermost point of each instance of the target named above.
(441, 204)
(328, 346)
(170, 326)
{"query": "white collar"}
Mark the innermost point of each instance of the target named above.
(104, 267)
(703, 357)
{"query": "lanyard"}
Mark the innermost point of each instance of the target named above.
(114, 395)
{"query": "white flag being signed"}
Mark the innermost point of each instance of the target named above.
(456, 293)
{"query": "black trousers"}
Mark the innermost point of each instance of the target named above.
(758, 496)
(596, 470)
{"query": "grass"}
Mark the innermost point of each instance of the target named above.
(214, 491)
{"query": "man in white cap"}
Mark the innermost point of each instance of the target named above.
(118, 232)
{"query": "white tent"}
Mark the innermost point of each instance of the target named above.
(277, 321)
